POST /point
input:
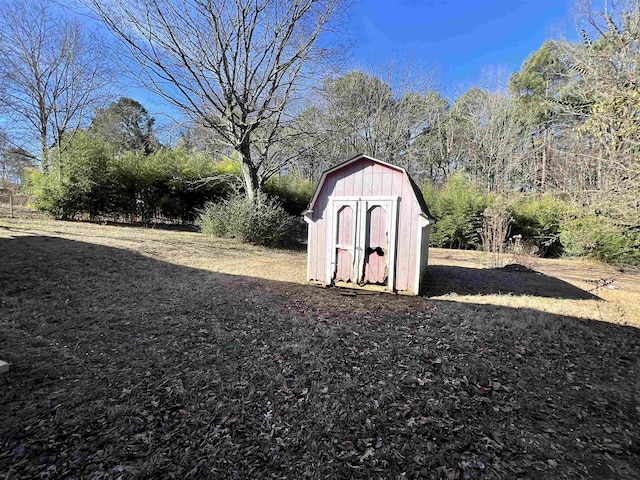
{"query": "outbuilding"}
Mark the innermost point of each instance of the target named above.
(369, 228)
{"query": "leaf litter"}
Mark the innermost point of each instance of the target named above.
(158, 370)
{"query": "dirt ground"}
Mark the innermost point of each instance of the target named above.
(150, 353)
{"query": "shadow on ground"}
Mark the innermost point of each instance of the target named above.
(512, 280)
(123, 365)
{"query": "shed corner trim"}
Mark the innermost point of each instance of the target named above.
(426, 220)
(307, 215)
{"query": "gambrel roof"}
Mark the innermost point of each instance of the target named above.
(416, 190)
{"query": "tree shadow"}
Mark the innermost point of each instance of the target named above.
(509, 280)
(126, 365)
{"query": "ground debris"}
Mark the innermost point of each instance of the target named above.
(157, 370)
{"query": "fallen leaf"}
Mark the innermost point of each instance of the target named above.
(369, 452)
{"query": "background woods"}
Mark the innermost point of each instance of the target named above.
(266, 107)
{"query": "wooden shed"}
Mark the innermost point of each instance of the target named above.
(368, 228)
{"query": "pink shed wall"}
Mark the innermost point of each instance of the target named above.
(366, 178)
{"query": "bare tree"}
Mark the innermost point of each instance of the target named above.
(489, 137)
(385, 112)
(607, 63)
(231, 65)
(52, 72)
(14, 162)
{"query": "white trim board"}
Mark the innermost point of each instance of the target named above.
(307, 215)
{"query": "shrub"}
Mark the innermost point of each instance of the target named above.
(262, 221)
(293, 192)
(538, 221)
(598, 236)
(47, 195)
(229, 166)
(77, 180)
(89, 178)
(458, 209)
(163, 184)
(226, 218)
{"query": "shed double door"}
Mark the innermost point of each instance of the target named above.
(363, 250)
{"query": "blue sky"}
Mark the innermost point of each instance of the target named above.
(462, 38)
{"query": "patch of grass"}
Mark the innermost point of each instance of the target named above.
(133, 355)
(579, 288)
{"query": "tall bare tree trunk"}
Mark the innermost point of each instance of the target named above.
(543, 175)
(599, 174)
(45, 152)
(249, 170)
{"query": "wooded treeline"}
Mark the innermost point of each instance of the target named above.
(554, 149)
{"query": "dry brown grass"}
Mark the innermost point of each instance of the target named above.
(174, 246)
(616, 294)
